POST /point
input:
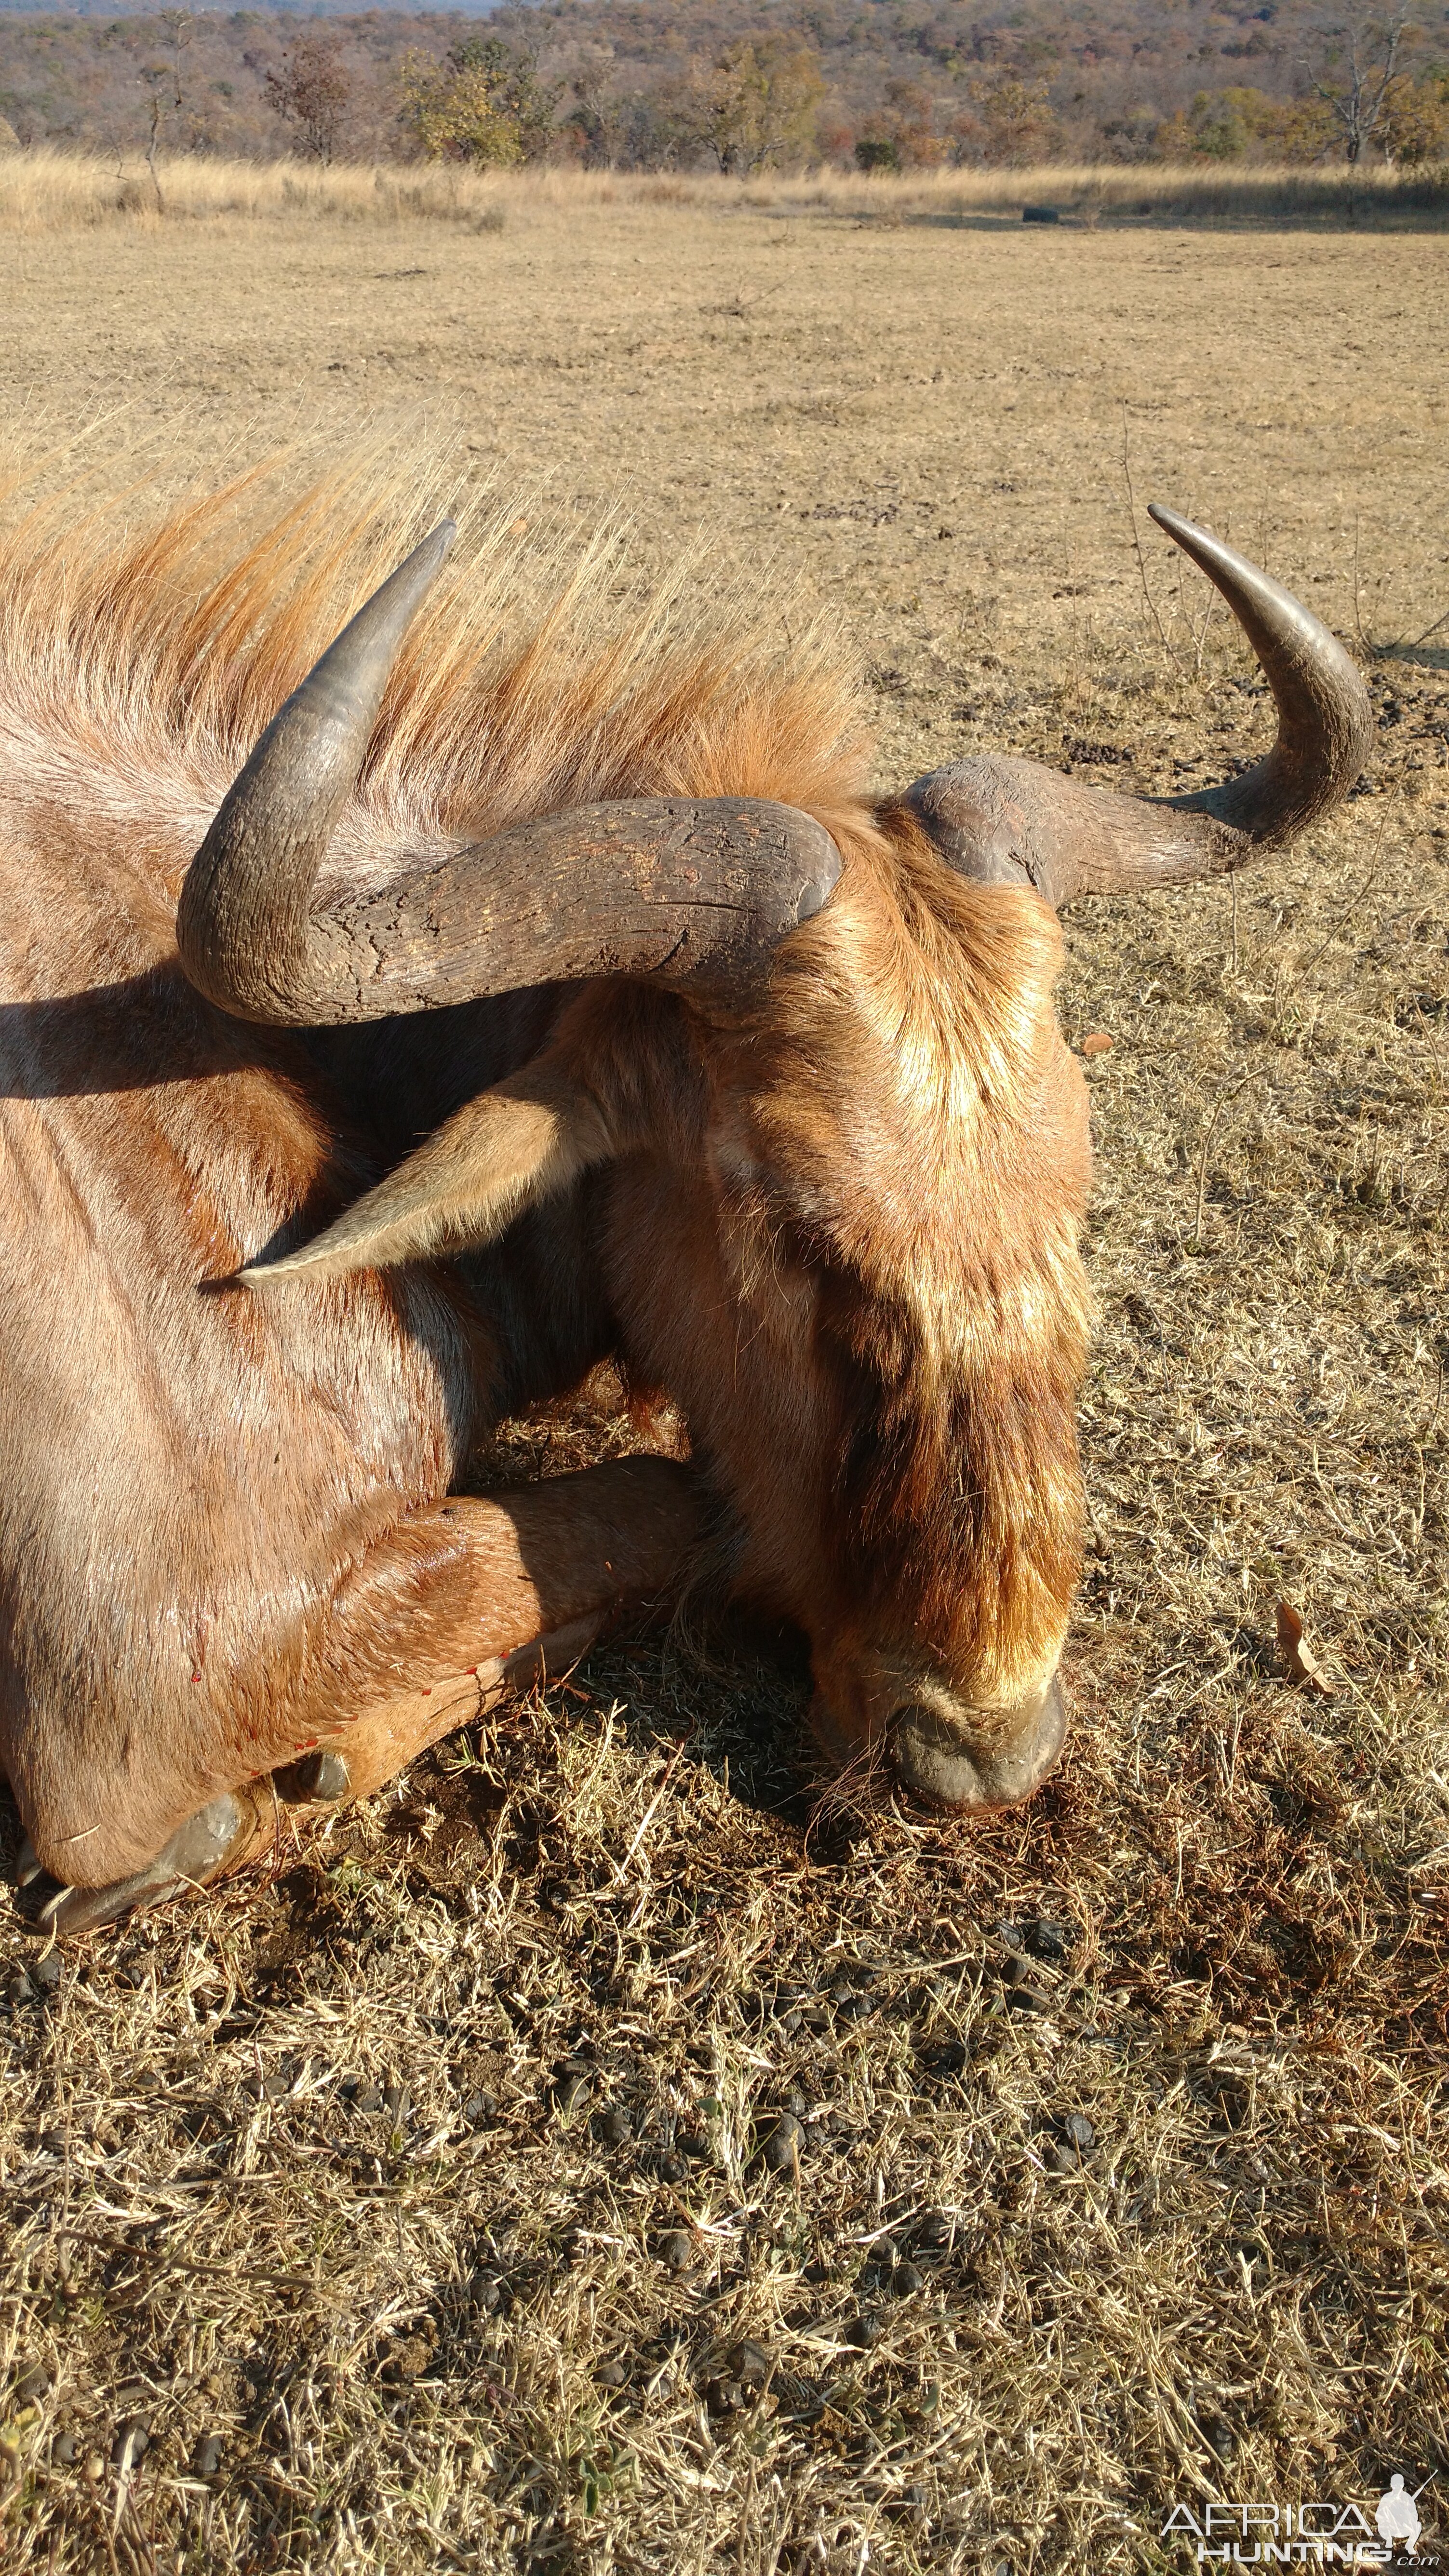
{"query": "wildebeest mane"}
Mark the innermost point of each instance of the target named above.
(546, 670)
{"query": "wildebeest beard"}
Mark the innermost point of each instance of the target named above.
(955, 1499)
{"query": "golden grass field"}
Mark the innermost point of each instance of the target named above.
(419, 2180)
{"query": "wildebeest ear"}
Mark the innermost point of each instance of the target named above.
(523, 1141)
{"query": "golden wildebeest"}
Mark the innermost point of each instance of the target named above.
(724, 1068)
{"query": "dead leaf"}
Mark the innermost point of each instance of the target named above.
(1298, 1663)
(1097, 1044)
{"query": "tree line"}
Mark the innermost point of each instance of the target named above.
(688, 84)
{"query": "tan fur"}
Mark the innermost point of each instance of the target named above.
(840, 1230)
(879, 1325)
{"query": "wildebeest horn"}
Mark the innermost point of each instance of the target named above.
(670, 887)
(242, 925)
(1013, 822)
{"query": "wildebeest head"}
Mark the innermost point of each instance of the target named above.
(846, 1145)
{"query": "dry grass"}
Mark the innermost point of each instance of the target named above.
(44, 188)
(448, 2333)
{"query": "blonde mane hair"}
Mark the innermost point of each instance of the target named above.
(543, 672)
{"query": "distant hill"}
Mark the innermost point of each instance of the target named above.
(680, 83)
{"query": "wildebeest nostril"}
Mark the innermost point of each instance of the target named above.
(937, 1757)
(932, 1758)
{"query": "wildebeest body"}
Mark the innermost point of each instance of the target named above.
(740, 1074)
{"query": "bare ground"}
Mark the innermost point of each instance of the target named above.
(425, 2181)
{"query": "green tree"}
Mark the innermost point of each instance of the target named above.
(761, 103)
(1415, 123)
(481, 103)
(1219, 127)
(1017, 122)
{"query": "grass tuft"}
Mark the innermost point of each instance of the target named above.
(47, 188)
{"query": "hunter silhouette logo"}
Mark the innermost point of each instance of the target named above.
(1398, 2515)
(1326, 2533)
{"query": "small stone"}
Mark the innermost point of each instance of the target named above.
(206, 2458)
(932, 2232)
(906, 2280)
(865, 2331)
(1062, 2160)
(724, 2396)
(854, 2008)
(1078, 2131)
(947, 2057)
(1051, 1942)
(672, 2168)
(369, 2099)
(407, 2360)
(792, 2021)
(479, 2110)
(676, 2250)
(396, 2101)
(570, 2089)
(616, 2128)
(485, 2291)
(1220, 2437)
(31, 2385)
(781, 2150)
(750, 2363)
(611, 2374)
(20, 1990)
(52, 2142)
(63, 2449)
(46, 1973)
(276, 2086)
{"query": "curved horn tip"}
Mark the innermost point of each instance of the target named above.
(1194, 541)
(1171, 520)
(406, 585)
(401, 594)
(439, 542)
